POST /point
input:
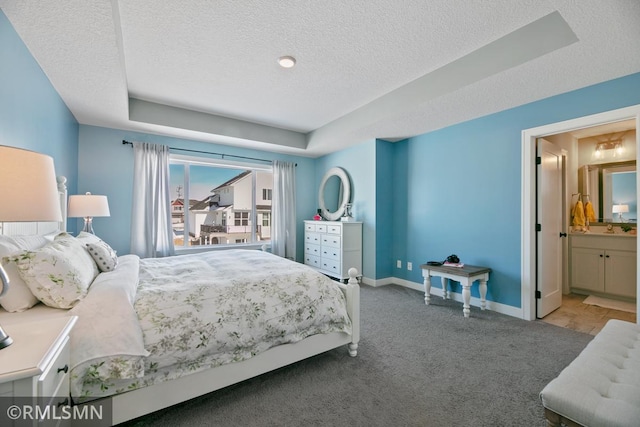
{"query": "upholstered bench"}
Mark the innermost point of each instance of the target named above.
(601, 387)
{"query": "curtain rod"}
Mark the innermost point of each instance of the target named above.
(125, 142)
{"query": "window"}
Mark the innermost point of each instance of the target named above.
(222, 202)
(241, 218)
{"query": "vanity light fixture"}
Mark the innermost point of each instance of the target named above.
(287, 61)
(613, 144)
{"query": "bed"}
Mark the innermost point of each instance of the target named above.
(155, 332)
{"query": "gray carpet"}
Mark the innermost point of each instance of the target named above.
(417, 366)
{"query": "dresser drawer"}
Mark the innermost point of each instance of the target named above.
(334, 229)
(309, 227)
(312, 260)
(55, 378)
(311, 249)
(321, 228)
(329, 252)
(313, 238)
(331, 265)
(330, 240)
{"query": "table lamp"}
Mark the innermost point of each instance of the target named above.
(29, 193)
(87, 206)
(620, 209)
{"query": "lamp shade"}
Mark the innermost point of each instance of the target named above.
(28, 187)
(620, 208)
(88, 205)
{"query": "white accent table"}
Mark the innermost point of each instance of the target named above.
(36, 365)
(465, 275)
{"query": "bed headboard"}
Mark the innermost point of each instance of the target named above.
(40, 228)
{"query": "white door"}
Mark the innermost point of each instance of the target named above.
(549, 240)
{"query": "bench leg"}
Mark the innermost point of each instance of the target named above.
(553, 419)
(556, 420)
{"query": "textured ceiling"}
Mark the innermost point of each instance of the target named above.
(207, 70)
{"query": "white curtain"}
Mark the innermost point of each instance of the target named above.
(283, 234)
(151, 232)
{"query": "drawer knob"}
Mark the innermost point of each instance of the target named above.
(64, 369)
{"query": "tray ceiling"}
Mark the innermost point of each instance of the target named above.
(365, 69)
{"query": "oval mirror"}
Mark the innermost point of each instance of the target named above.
(334, 193)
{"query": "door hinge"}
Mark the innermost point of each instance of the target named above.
(538, 227)
(538, 295)
(538, 160)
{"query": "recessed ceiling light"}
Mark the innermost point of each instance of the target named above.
(287, 61)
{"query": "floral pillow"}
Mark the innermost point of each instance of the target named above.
(58, 274)
(18, 297)
(104, 255)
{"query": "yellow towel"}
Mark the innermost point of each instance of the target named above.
(578, 214)
(589, 212)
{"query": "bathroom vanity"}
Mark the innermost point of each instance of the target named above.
(603, 264)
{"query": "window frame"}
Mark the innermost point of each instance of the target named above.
(187, 161)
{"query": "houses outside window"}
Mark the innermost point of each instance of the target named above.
(229, 203)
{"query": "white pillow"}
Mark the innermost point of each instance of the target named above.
(18, 297)
(104, 255)
(58, 274)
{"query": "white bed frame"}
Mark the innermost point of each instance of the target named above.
(136, 403)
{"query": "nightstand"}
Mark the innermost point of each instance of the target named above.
(37, 363)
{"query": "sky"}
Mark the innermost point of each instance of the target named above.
(203, 179)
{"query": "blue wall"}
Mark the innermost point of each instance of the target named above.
(626, 193)
(32, 114)
(454, 190)
(359, 162)
(458, 188)
(106, 167)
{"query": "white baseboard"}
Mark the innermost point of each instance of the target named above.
(435, 291)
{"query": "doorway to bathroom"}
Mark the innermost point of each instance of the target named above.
(567, 135)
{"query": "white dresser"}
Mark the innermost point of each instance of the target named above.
(333, 247)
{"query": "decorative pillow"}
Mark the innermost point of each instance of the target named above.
(18, 297)
(58, 274)
(104, 256)
(85, 237)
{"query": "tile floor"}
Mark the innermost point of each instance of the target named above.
(573, 314)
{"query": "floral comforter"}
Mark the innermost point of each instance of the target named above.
(204, 310)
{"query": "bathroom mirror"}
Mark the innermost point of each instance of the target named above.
(609, 184)
(334, 193)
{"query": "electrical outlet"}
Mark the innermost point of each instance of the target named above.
(409, 266)
(398, 264)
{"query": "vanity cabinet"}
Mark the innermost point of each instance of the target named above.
(604, 264)
(333, 247)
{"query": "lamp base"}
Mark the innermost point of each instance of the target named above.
(88, 225)
(5, 340)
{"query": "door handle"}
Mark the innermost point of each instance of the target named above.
(563, 234)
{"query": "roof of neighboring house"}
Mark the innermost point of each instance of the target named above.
(181, 202)
(232, 180)
(205, 203)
